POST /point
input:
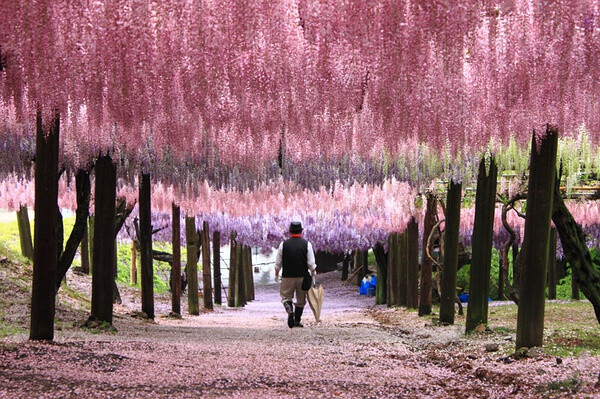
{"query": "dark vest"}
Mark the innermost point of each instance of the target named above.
(294, 263)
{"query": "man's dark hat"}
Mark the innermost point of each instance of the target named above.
(295, 227)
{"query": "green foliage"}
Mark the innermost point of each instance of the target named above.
(371, 258)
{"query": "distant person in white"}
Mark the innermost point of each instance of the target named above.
(295, 256)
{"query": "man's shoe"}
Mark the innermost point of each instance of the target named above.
(289, 308)
(298, 316)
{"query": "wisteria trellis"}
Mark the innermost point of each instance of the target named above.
(344, 91)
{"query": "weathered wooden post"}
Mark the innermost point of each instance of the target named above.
(426, 265)
(232, 291)
(104, 239)
(540, 197)
(133, 271)
(451, 233)
(191, 265)
(240, 298)
(206, 274)
(402, 267)
(85, 252)
(393, 296)
(43, 291)
(483, 234)
(176, 263)
(412, 281)
(217, 266)
(382, 272)
(250, 280)
(147, 268)
(24, 232)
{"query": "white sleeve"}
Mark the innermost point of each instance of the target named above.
(279, 257)
(310, 257)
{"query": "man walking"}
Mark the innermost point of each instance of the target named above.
(295, 256)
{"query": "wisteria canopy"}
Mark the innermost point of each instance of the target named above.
(289, 108)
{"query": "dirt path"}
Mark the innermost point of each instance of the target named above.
(357, 351)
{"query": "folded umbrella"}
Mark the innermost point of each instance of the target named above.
(315, 299)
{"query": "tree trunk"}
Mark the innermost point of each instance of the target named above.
(534, 253)
(451, 233)
(574, 288)
(575, 250)
(176, 263)
(45, 255)
(206, 274)
(192, 265)
(84, 250)
(426, 266)
(83, 190)
(412, 281)
(552, 271)
(25, 232)
(483, 234)
(147, 280)
(217, 266)
(380, 289)
(232, 292)
(104, 239)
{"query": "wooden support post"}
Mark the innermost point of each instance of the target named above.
(45, 257)
(147, 268)
(403, 267)
(206, 274)
(540, 197)
(24, 232)
(192, 265)
(176, 263)
(104, 239)
(412, 281)
(240, 299)
(393, 297)
(358, 266)
(382, 272)
(451, 234)
(483, 234)
(249, 275)
(426, 264)
(85, 251)
(232, 291)
(217, 266)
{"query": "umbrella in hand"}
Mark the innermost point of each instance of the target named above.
(315, 299)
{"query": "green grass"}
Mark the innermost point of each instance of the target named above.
(570, 329)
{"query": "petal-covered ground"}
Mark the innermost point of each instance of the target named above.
(358, 350)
